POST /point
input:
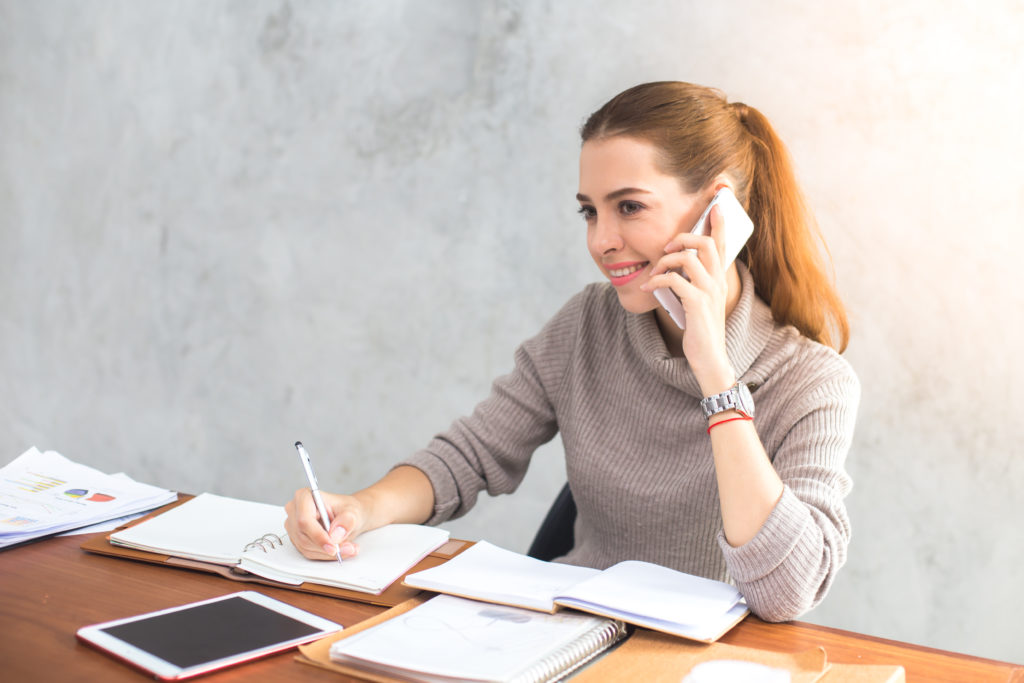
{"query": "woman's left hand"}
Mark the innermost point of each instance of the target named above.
(704, 296)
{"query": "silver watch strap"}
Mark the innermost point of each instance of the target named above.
(720, 402)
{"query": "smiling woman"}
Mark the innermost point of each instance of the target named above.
(665, 458)
(694, 137)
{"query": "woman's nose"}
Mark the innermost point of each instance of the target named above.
(605, 237)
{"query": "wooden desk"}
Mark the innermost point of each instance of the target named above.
(51, 588)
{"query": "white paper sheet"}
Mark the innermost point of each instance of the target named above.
(492, 573)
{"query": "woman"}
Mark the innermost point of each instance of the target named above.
(664, 462)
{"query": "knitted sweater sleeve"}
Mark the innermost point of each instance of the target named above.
(788, 567)
(491, 448)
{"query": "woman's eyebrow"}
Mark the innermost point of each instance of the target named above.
(614, 195)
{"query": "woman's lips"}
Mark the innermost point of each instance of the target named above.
(621, 273)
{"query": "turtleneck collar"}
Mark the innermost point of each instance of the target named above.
(747, 331)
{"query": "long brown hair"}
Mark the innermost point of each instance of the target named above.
(700, 135)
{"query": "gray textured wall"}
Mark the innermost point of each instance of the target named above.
(229, 225)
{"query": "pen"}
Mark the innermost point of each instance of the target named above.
(321, 510)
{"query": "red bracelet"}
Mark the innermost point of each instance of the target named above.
(731, 419)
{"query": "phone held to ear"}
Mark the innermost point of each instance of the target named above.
(737, 229)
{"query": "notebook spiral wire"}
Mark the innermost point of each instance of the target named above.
(568, 659)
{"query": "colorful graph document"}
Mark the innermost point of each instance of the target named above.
(44, 493)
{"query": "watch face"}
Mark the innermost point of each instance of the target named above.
(746, 401)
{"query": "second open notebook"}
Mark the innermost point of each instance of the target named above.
(250, 536)
(639, 593)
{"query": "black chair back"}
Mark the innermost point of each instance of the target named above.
(555, 536)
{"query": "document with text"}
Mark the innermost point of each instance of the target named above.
(44, 493)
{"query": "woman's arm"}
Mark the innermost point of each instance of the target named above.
(785, 529)
(789, 565)
(748, 486)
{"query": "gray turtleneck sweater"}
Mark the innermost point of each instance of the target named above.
(638, 455)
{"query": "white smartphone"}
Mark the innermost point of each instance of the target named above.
(738, 228)
(200, 637)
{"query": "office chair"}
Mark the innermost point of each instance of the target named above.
(555, 536)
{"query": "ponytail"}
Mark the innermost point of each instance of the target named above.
(787, 256)
(702, 136)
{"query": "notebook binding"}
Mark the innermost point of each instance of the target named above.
(264, 542)
(564, 661)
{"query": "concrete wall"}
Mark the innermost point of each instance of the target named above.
(226, 226)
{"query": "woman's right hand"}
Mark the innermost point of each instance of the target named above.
(403, 496)
(348, 519)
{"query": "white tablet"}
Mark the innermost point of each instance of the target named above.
(193, 639)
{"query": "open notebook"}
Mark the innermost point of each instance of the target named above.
(639, 593)
(250, 536)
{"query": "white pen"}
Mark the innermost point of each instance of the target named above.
(320, 508)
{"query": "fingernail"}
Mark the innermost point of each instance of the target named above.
(330, 549)
(337, 533)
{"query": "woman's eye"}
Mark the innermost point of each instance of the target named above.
(588, 212)
(629, 207)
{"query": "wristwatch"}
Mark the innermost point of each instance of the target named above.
(737, 398)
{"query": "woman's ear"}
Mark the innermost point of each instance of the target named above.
(722, 181)
(712, 188)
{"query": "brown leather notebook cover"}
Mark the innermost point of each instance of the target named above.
(652, 656)
(393, 595)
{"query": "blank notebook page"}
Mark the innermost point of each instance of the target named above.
(493, 573)
(384, 555)
(209, 528)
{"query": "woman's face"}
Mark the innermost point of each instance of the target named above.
(632, 210)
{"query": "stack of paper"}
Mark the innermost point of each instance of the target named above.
(42, 494)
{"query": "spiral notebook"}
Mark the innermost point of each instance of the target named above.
(250, 536)
(456, 639)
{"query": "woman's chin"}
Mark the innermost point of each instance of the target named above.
(637, 302)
